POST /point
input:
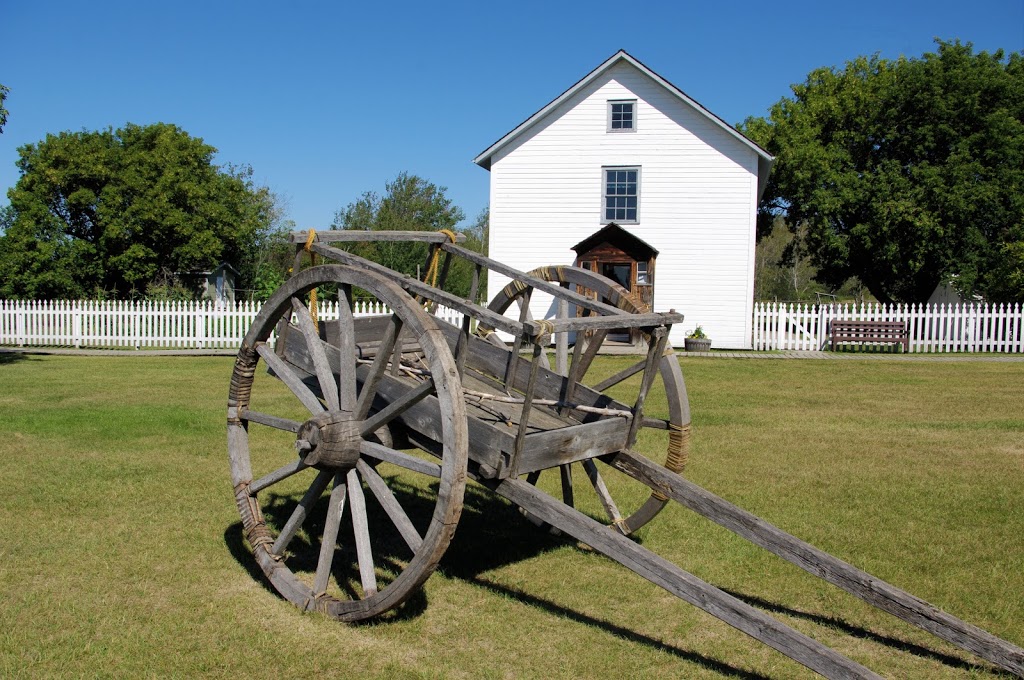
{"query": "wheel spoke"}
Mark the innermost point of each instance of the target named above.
(317, 354)
(298, 516)
(391, 506)
(602, 492)
(285, 424)
(403, 460)
(346, 350)
(620, 376)
(330, 538)
(387, 345)
(288, 377)
(397, 407)
(283, 472)
(361, 529)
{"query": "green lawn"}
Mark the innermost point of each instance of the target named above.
(121, 554)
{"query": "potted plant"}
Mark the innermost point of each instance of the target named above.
(697, 341)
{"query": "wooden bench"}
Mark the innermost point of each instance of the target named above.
(846, 330)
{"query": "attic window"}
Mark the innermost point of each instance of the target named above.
(622, 115)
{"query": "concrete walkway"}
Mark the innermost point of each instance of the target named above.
(616, 350)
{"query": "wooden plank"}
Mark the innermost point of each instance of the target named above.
(608, 323)
(524, 419)
(380, 362)
(859, 583)
(562, 339)
(360, 236)
(281, 473)
(330, 537)
(491, 360)
(552, 288)
(654, 353)
(620, 376)
(403, 460)
(322, 368)
(361, 532)
(415, 287)
(301, 511)
(285, 424)
(543, 450)
(382, 492)
(347, 397)
(499, 321)
(396, 408)
(283, 371)
(680, 583)
(603, 494)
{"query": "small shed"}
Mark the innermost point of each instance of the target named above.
(614, 252)
(216, 285)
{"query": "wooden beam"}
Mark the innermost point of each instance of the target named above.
(682, 584)
(415, 287)
(872, 590)
(359, 236)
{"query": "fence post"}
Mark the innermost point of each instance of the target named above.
(19, 322)
(201, 324)
(76, 324)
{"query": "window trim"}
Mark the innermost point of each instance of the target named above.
(634, 116)
(604, 193)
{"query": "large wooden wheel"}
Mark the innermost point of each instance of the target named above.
(670, 435)
(325, 425)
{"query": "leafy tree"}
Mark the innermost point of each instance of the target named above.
(106, 212)
(3, 111)
(905, 173)
(409, 203)
(783, 271)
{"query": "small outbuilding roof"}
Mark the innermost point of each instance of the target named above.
(620, 238)
(764, 159)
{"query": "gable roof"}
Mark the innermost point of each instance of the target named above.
(619, 237)
(764, 159)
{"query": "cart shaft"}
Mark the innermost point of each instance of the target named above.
(859, 583)
(680, 583)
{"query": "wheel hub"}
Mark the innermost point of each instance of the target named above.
(330, 440)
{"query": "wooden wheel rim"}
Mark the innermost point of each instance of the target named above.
(454, 444)
(668, 367)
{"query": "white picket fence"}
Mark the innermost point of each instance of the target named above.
(932, 328)
(205, 325)
(184, 325)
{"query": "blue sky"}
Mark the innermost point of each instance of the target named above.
(328, 100)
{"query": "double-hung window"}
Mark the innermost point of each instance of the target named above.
(622, 115)
(621, 195)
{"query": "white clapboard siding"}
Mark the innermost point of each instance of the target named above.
(961, 327)
(142, 324)
(697, 200)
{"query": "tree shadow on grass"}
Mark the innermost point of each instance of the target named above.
(10, 356)
(492, 534)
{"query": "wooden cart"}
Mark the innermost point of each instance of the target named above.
(408, 407)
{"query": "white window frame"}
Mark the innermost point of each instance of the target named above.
(633, 116)
(643, 278)
(605, 195)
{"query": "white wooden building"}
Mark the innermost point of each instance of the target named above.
(625, 146)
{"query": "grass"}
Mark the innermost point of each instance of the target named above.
(121, 554)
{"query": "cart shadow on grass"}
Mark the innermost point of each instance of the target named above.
(488, 520)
